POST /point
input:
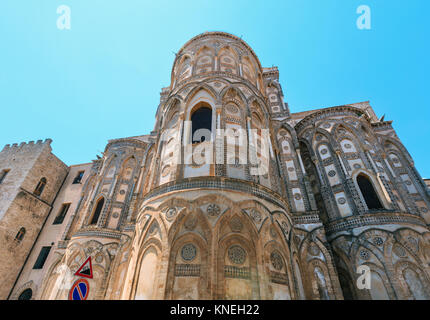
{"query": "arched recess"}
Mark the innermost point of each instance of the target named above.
(237, 269)
(378, 290)
(248, 70)
(314, 179)
(415, 285)
(370, 192)
(40, 187)
(53, 279)
(94, 218)
(27, 294)
(228, 60)
(146, 275)
(278, 272)
(184, 69)
(188, 273)
(204, 61)
(413, 281)
(300, 291)
(201, 120)
(147, 173)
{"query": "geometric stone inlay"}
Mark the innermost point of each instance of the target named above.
(188, 252)
(276, 260)
(236, 254)
(364, 254)
(213, 210)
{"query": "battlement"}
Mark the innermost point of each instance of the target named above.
(17, 147)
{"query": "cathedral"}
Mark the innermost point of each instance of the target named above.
(231, 196)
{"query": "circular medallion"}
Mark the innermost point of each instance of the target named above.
(213, 210)
(115, 215)
(188, 252)
(122, 192)
(255, 215)
(364, 254)
(424, 209)
(276, 260)
(378, 241)
(236, 254)
(232, 108)
(297, 196)
(326, 125)
(331, 173)
(357, 166)
(341, 200)
(348, 146)
(170, 213)
(324, 151)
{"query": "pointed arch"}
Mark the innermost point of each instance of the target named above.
(97, 210)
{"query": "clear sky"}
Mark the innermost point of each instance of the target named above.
(101, 79)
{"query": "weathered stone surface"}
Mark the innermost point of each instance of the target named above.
(339, 191)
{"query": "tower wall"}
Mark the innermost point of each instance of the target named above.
(20, 207)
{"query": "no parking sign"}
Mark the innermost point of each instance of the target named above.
(81, 287)
(79, 290)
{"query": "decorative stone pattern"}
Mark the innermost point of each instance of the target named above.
(188, 252)
(196, 231)
(236, 255)
(213, 210)
(277, 261)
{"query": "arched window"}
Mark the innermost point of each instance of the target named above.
(369, 193)
(97, 211)
(20, 235)
(201, 119)
(40, 186)
(26, 294)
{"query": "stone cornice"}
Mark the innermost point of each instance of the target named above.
(326, 112)
(373, 219)
(220, 183)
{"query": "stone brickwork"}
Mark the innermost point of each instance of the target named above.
(339, 191)
(20, 208)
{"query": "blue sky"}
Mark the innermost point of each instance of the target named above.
(101, 79)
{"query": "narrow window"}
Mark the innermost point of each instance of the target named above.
(98, 210)
(369, 193)
(42, 257)
(40, 186)
(26, 295)
(3, 175)
(20, 235)
(78, 177)
(63, 211)
(201, 119)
